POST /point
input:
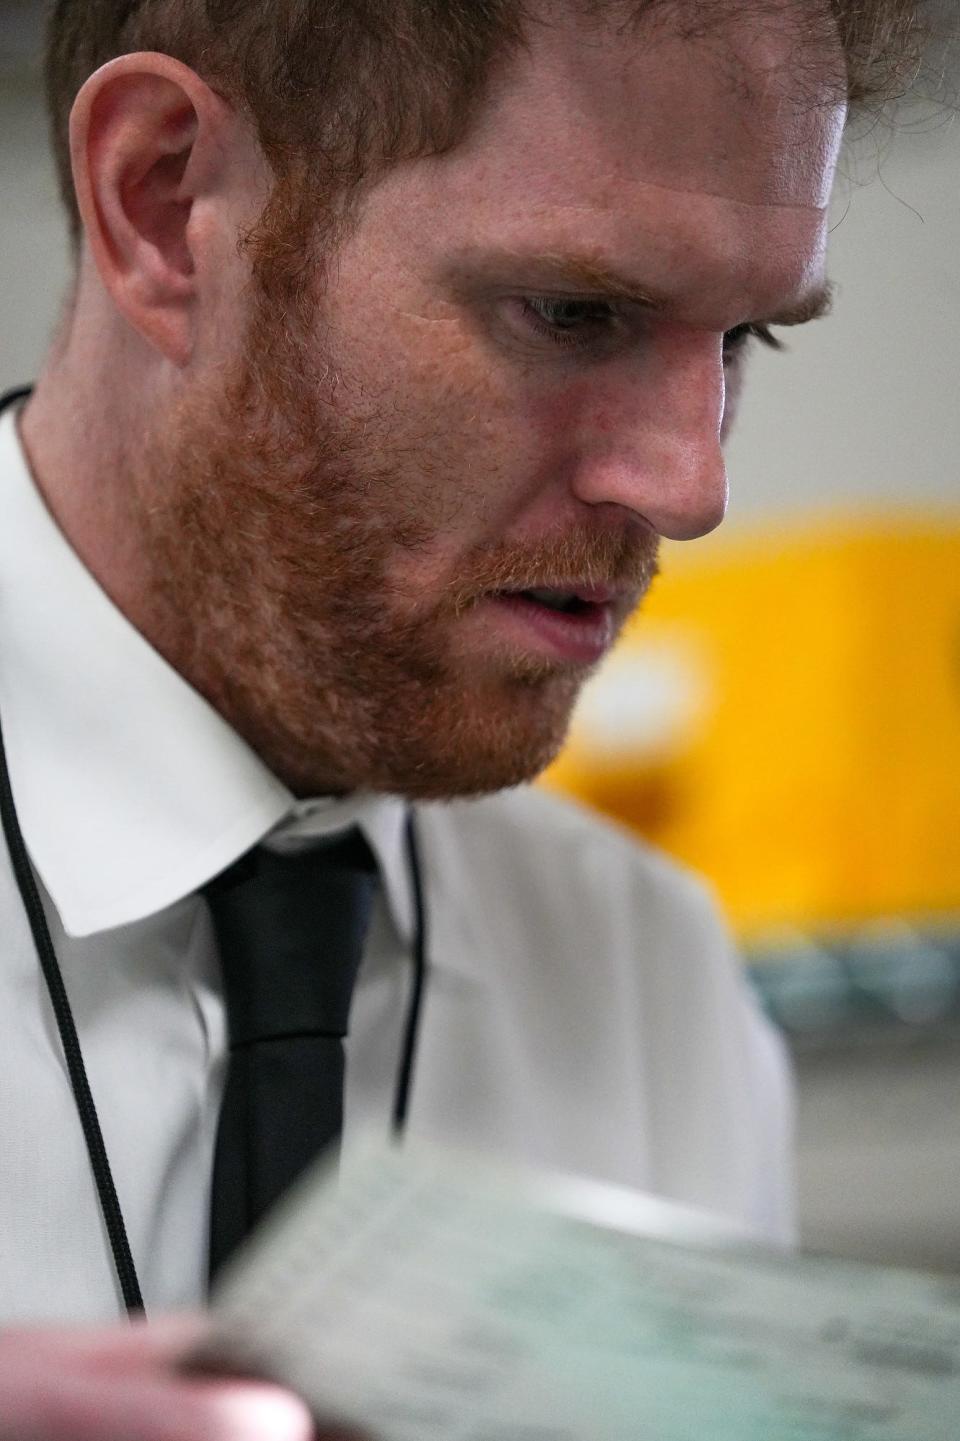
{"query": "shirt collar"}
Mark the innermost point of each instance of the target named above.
(131, 790)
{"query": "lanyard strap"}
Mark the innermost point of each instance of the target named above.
(82, 1095)
(87, 1111)
(408, 1054)
(123, 1263)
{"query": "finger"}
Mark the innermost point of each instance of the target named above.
(261, 1404)
(264, 1405)
(133, 1409)
(125, 1346)
(255, 1411)
(163, 1340)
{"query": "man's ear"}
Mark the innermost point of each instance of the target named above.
(149, 144)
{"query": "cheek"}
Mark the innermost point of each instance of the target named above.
(466, 441)
(464, 434)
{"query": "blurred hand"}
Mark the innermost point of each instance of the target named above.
(121, 1384)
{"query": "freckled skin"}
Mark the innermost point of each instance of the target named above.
(322, 514)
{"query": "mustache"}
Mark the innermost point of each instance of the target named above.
(623, 560)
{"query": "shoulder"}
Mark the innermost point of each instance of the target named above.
(617, 969)
(598, 938)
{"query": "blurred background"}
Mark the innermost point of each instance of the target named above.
(785, 715)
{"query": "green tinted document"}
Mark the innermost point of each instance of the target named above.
(429, 1297)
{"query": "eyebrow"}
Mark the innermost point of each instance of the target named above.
(583, 273)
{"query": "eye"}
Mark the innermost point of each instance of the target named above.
(568, 321)
(735, 341)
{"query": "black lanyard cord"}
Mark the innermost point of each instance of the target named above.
(408, 1053)
(87, 1111)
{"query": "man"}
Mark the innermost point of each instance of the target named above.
(399, 337)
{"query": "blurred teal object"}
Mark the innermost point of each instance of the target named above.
(885, 977)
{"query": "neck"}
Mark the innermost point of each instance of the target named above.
(80, 430)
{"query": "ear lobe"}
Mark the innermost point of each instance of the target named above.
(146, 142)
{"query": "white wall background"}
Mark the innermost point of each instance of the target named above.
(863, 412)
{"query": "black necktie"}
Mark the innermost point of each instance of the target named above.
(290, 930)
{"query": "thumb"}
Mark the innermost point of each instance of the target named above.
(260, 1411)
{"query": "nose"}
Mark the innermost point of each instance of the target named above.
(648, 439)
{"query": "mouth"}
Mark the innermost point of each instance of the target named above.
(568, 600)
(572, 623)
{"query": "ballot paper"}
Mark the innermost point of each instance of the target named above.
(422, 1296)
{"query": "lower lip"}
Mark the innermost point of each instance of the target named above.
(581, 637)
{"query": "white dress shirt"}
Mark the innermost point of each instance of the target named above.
(584, 1010)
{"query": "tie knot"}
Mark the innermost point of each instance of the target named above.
(290, 929)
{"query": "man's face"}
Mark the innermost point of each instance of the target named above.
(513, 380)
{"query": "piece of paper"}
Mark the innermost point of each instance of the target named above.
(427, 1297)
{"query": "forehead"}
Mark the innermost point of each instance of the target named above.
(746, 109)
(690, 163)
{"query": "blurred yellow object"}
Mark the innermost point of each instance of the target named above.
(784, 716)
